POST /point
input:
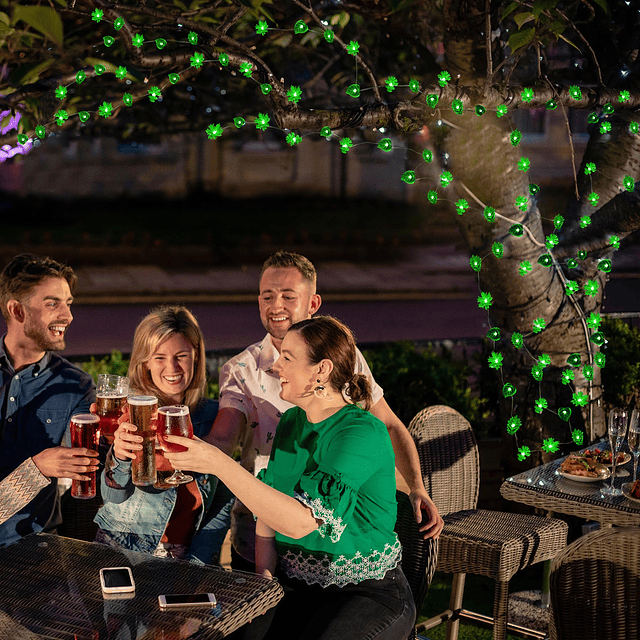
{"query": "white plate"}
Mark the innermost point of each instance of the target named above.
(604, 473)
(626, 490)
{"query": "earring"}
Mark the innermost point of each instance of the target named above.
(319, 391)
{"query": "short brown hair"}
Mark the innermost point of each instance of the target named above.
(27, 271)
(286, 259)
(328, 339)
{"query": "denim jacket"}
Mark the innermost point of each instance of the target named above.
(136, 517)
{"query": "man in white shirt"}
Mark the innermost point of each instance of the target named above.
(250, 403)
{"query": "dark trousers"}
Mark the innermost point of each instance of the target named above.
(371, 610)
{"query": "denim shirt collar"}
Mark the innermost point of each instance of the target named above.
(36, 367)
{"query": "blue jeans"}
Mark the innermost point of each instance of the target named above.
(371, 610)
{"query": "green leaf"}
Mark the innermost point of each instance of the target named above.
(603, 5)
(542, 5)
(510, 9)
(521, 39)
(575, 46)
(5, 18)
(28, 73)
(522, 18)
(43, 19)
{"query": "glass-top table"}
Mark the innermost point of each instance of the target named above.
(50, 588)
(542, 487)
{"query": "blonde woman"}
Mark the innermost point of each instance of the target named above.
(189, 521)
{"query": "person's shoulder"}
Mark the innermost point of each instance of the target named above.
(60, 366)
(252, 352)
(357, 417)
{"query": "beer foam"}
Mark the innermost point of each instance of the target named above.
(85, 418)
(142, 400)
(175, 410)
(111, 394)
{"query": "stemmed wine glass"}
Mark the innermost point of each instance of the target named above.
(174, 420)
(633, 440)
(617, 432)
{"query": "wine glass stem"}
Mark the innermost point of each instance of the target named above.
(635, 467)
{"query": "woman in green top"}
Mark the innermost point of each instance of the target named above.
(326, 506)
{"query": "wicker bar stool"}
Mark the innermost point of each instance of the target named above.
(477, 541)
(419, 556)
(595, 587)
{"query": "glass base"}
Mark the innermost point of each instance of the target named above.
(176, 479)
(611, 491)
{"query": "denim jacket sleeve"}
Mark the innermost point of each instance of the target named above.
(116, 479)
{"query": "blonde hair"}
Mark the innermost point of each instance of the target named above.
(161, 324)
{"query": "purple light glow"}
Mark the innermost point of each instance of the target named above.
(7, 151)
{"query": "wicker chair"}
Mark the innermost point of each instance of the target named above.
(418, 555)
(487, 543)
(595, 587)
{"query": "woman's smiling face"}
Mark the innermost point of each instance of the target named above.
(298, 376)
(171, 367)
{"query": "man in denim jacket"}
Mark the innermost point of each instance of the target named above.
(40, 391)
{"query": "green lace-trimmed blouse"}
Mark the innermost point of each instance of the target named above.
(343, 468)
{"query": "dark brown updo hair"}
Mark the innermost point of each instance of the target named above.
(328, 339)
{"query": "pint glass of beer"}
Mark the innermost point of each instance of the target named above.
(85, 432)
(174, 420)
(111, 395)
(143, 412)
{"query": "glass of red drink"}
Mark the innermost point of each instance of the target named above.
(85, 432)
(111, 396)
(174, 420)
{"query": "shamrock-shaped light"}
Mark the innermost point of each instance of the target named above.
(540, 405)
(509, 390)
(551, 241)
(515, 137)
(385, 145)
(414, 85)
(538, 325)
(345, 144)
(61, 117)
(432, 196)
(485, 300)
(624, 96)
(137, 40)
(614, 241)
(41, 132)
(495, 360)
(589, 168)
(127, 99)
(517, 340)
(329, 35)
(409, 177)
(527, 95)
(197, 59)
(513, 424)
(427, 155)
(81, 76)
(558, 221)
(300, 27)
(575, 92)
(489, 214)
(537, 372)
(193, 38)
(239, 122)
(634, 127)
(523, 453)
(580, 399)
(105, 109)
(121, 72)
(432, 100)
(591, 288)
(476, 263)
(246, 68)
(585, 221)
(293, 139)
(524, 164)
(223, 59)
(544, 360)
(353, 48)
(522, 203)
(325, 132)
(550, 445)
(294, 94)
(564, 413)
(214, 131)
(443, 78)
(480, 110)
(494, 334)
(577, 436)
(161, 43)
(457, 106)
(497, 249)
(61, 92)
(353, 90)
(502, 110)
(568, 376)
(262, 27)
(545, 260)
(605, 127)
(97, 15)
(461, 206)
(593, 198)
(118, 23)
(600, 359)
(571, 287)
(265, 88)
(516, 230)
(629, 183)
(446, 178)
(605, 265)
(524, 267)
(587, 372)
(391, 83)
(154, 94)
(262, 121)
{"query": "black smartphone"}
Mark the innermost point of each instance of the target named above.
(117, 580)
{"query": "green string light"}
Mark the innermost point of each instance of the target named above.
(550, 445)
(409, 177)
(540, 405)
(527, 95)
(262, 121)
(353, 48)
(485, 300)
(523, 453)
(502, 110)
(385, 145)
(443, 78)
(539, 325)
(432, 100)
(517, 340)
(345, 145)
(571, 287)
(476, 263)
(489, 214)
(391, 83)
(577, 436)
(564, 413)
(513, 424)
(214, 131)
(494, 334)
(121, 73)
(353, 90)
(524, 268)
(427, 155)
(457, 106)
(294, 94)
(495, 360)
(524, 164)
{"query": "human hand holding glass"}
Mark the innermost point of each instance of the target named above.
(633, 440)
(174, 420)
(617, 432)
(111, 398)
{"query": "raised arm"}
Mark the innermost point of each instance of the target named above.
(408, 464)
(226, 429)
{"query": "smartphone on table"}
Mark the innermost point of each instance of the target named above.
(177, 600)
(116, 580)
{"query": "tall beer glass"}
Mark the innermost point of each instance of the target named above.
(111, 395)
(144, 415)
(175, 421)
(85, 432)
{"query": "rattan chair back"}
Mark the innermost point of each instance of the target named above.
(449, 458)
(595, 587)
